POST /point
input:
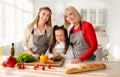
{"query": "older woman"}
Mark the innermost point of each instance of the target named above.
(82, 35)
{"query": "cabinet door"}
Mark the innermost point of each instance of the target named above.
(84, 14)
(92, 16)
(96, 16)
(102, 16)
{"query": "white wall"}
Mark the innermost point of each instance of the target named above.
(58, 7)
(86, 3)
(113, 28)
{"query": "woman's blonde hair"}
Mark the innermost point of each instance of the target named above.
(48, 23)
(75, 12)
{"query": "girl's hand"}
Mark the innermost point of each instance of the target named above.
(56, 54)
(77, 60)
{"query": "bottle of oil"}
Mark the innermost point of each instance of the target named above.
(12, 51)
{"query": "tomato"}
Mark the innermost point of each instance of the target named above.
(19, 66)
(43, 68)
(22, 66)
(51, 58)
(36, 65)
(34, 68)
(49, 66)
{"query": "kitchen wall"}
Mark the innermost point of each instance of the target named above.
(113, 28)
(59, 6)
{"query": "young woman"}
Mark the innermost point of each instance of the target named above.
(82, 35)
(38, 33)
(60, 45)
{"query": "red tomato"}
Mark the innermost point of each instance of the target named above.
(49, 66)
(19, 66)
(22, 66)
(43, 68)
(36, 65)
(51, 58)
(34, 68)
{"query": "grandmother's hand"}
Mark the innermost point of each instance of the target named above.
(77, 60)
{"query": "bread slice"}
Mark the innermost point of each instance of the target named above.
(85, 67)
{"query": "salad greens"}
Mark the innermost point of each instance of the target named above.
(25, 57)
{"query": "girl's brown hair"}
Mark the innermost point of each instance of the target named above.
(56, 27)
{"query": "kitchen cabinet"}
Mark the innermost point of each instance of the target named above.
(96, 16)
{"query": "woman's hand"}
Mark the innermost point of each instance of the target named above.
(77, 60)
(56, 54)
(36, 56)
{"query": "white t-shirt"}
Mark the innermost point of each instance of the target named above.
(59, 48)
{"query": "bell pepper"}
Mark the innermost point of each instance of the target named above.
(43, 58)
(9, 62)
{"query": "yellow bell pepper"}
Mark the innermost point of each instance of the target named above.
(43, 58)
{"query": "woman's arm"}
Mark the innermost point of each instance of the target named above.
(90, 37)
(26, 38)
(26, 41)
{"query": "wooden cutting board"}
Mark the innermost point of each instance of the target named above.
(51, 62)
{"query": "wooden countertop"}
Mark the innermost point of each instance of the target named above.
(112, 70)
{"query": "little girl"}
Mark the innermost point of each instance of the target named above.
(60, 45)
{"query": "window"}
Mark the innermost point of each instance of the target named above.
(14, 16)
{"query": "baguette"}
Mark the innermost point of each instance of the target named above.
(86, 67)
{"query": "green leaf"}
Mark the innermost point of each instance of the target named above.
(25, 57)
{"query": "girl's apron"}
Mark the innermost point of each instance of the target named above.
(39, 43)
(79, 44)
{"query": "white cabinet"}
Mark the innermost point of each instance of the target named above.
(96, 16)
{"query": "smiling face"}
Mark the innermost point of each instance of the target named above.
(59, 35)
(44, 15)
(70, 17)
